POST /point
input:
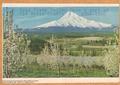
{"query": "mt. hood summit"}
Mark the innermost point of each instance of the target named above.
(71, 19)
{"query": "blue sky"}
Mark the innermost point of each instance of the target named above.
(29, 17)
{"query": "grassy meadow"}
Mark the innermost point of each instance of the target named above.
(60, 55)
(52, 55)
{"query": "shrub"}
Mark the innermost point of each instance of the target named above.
(111, 61)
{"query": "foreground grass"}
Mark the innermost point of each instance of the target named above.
(62, 73)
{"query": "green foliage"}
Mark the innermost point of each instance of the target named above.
(41, 56)
(68, 72)
(111, 61)
(37, 45)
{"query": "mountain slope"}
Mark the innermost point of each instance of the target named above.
(71, 19)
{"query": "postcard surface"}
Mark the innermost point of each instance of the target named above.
(60, 41)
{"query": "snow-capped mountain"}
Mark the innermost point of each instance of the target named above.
(71, 19)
